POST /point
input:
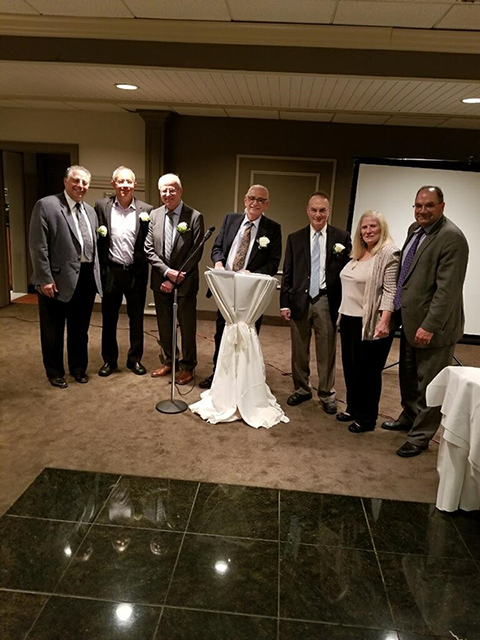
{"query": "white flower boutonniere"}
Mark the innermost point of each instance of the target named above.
(145, 217)
(338, 248)
(263, 242)
(102, 231)
(182, 227)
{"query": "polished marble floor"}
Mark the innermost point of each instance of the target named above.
(103, 557)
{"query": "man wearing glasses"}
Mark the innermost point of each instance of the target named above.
(429, 306)
(246, 241)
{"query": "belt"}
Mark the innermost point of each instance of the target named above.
(322, 292)
(118, 265)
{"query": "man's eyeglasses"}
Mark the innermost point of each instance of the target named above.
(428, 207)
(259, 200)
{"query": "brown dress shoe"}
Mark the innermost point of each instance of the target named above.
(163, 371)
(184, 377)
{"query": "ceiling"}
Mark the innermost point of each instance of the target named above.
(371, 61)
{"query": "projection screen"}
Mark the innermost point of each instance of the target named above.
(390, 185)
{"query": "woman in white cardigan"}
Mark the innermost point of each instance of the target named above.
(368, 289)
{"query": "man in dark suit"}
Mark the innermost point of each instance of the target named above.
(123, 225)
(175, 232)
(310, 297)
(429, 306)
(66, 274)
(246, 241)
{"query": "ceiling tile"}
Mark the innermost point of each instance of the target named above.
(85, 8)
(359, 118)
(399, 121)
(17, 6)
(262, 114)
(314, 116)
(180, 9)
(461, 16)
(389, 14)
(306, 11)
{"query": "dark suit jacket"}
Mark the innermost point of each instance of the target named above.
(140, 263)
(55, 248)
(261, 260)
(296, 271)
(184, 245)
(432, 295)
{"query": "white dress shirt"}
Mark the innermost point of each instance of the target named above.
(122, 234)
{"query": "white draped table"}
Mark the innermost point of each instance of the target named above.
(457, 391)
(239, 389)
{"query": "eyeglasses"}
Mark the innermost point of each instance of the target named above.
(259, 200)
(428, 207)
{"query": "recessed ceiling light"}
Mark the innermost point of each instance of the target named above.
(471, 100)
(126, 87)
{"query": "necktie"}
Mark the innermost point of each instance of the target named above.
(315, 271)
(87, 238)
(397, 302)
(168, 234)
(240, 256)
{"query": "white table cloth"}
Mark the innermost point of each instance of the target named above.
(457, 391)
(239, 390)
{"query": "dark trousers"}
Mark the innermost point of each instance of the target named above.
(187, 321)
(363, 362)
(77, 313)
(418, 367)
(119, 283)
(220, 326)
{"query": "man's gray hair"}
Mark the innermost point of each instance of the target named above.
(259, 186)
(77, 167)
(170, 177)
(122, 168)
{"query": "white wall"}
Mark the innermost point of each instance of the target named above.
(106, 140)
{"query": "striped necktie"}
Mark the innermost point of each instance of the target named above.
(87, 238)
(168, 234)
(397, 301)
(315, 271)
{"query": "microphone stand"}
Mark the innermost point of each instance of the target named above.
(172, 405)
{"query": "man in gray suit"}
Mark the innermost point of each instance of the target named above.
(429, 306)
(123, 225)
(66, 274)
(175, 232)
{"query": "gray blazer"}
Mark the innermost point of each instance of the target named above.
(432, 295)
(184, 245)
(55, 248)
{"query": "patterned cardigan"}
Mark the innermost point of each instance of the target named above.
(380, 288)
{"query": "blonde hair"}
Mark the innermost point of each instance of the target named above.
(359, 246)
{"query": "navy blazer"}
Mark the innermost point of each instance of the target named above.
(297, 267)
(262, 259)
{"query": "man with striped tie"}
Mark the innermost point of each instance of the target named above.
(66, 274)
(174, 233)
(429, 307)
(310, 297)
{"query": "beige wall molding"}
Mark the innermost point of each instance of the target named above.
(275, 35)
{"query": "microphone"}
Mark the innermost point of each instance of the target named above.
(208, 233)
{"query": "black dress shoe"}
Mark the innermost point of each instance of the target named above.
(358, 428)
(59, 382)
(298, 398)
(107, 369)
(344, 417)
(396, 425)
(137, 368)
(80, 377)
(207, 383)
(408, 450)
